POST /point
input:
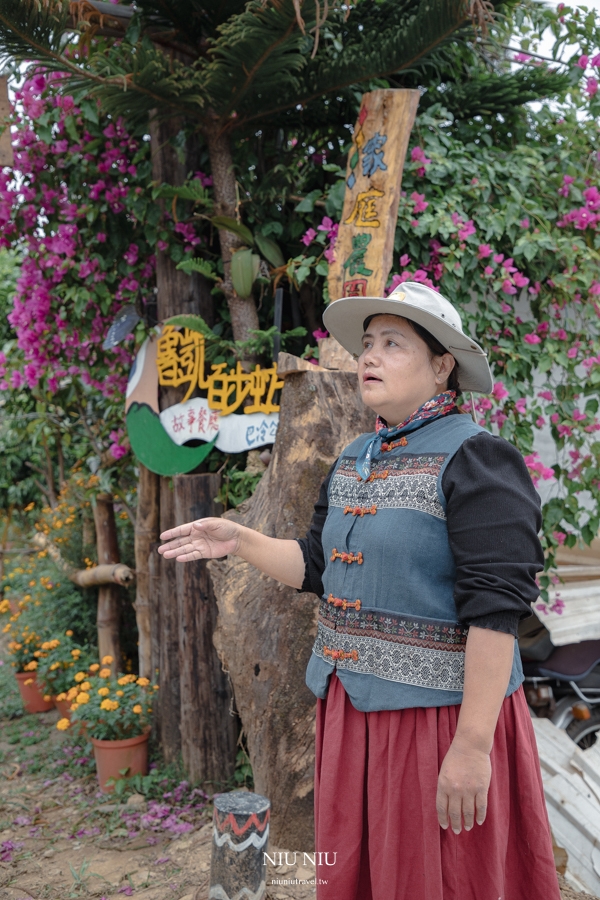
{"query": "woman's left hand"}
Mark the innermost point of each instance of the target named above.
(463, 785)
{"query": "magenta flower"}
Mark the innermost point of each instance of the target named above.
(532, 339)
(508, 287)
(524, 223)
(591, 87)
(326, 224)
(488, 271)
(499, 392)
(521, 405)
(419, 201)
(583, 61)
(540, 421)
(483, 251)
(320, 334)
(520, 280)
(564, 190)
(308, 237)
(559, 536)
(521, 57)
(506, 307)
(405, 260)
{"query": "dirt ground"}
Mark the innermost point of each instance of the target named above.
(61, 839)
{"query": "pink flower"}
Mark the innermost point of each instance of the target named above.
(579, 416)
(308, 237)
(488, 271)
(405, 260)
(554, 418)
(591, 87)
(559, 536)
(540, 421)
(419, 201)
(572, 352)
(520, 280)
(483, 251)
(564, 431)
(521, 57)
(499, 392)
(583, 61)
(131, 254)
(534, 291)
(418, 155)
(506, 307)
(524, 223)
(498, 257)
(532, 339)
(521, 405)
(564, 190)
(320, 335)
(508, 287)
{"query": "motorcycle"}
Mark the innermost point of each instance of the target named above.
(562, 683)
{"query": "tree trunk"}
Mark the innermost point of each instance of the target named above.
(266, 630)
(146, 534)
(169, 695)
(154, 570)
(209, 730)
(244, 316)
(108, 595)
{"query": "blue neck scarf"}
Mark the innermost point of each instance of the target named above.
(438, 406)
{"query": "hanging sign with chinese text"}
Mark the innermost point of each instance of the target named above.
(238, 413)
(365, 243)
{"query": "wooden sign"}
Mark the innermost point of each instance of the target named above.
(6, 150)
(365, 242)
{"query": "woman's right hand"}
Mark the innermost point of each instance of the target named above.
(202, 539)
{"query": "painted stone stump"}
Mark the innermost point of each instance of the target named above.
(240, 838)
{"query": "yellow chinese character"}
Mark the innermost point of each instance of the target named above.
(364, 214)
(180, 359)
(261, 380)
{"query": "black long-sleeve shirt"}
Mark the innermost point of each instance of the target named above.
(493, 517)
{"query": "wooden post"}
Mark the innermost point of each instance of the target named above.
(109, 594)
(240, 841)
(154, 560)
(146, 533)
(365, 243)
(169, 695)
(208, 730)
(6, 150)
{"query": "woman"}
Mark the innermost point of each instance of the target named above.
(424, 550)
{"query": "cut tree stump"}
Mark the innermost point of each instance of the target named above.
(209, 730)
(266, 630)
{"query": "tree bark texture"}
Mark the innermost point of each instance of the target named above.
(266, 630)
(169, 695)
(108, 595)
(154, 570)
(244, 315)
(209, 730)
(146, 534)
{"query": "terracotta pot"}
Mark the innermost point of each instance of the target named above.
(114, 756)
(64, 708)
(31, 694)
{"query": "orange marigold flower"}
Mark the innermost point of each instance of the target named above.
(94, 667)
(137, 708)
(143, 682)
(119, 693)
(84, 686)
(63, 724)
(80, 676)
(104, 673)
(104, 692)
(69, 633)
(107, 660)
(61, 696)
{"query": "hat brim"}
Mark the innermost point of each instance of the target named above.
(344, 320)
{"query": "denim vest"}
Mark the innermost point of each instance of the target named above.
(387, 620)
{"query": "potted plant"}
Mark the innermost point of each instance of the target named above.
(116, 713)
(26, 650)
(61, 659)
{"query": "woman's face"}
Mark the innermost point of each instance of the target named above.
(396, 370)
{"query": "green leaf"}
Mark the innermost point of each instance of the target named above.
(270, 250)
(194, 323)
(307, 204)
(244, 269)
(229, 224)
(203, 266)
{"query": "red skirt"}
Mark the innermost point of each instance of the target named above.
(376, 827)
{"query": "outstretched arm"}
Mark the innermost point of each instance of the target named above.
(213, 538)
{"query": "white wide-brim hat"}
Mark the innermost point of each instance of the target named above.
(344, 319)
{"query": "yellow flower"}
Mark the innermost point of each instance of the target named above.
(28, 681)
(31, 666)
(76, 653)
(63, 724)
(137, 708)
(29, 507)
(69, 633)
(73, 707)
(47, 698)
(94, 667)
(104, 673)
(119, 693)
(6, 628)
(80, 676)
(123, 680)
(38, 653)
(32, 584)
(61, 696)
(54, 667)
(109, 705)
(104, 692)
(143, 682)
(84, 686)
(107, 660)
(72, 693)
(154, 687)
(83, 698)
